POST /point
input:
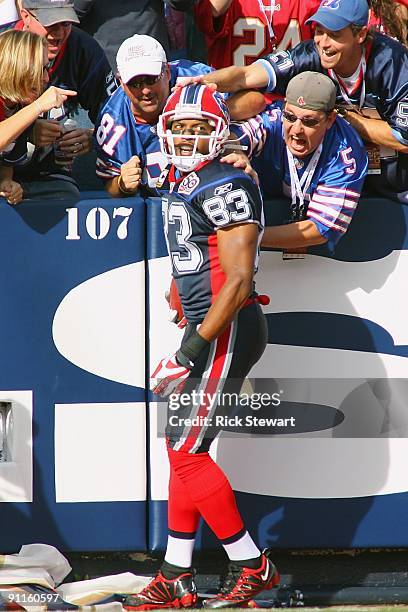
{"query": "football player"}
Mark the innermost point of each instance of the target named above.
(129, 154)
(213, 222)
(369, 71)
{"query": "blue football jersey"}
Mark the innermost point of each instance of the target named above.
(386, 78)
(119, 136)
(212, 197)
(335, 188)
(386, 88)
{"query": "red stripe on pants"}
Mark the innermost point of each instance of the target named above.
(215, 373)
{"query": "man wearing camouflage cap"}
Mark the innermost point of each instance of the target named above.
(304, 150)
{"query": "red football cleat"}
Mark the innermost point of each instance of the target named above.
(242, 584)
(161, 592)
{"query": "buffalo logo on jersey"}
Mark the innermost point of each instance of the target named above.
(187, 103)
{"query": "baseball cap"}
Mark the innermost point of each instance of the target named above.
(140, 54)
(337, 14)
(312, 90)
(49, 12)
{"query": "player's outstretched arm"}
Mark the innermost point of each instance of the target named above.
(292, 236)
(237, 248)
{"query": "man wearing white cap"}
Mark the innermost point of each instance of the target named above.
(76, 62)
(128, 148)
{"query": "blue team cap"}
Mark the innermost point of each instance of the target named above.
(338, 14)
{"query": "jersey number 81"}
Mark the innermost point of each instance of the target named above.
(107, 128)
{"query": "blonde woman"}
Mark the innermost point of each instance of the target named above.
(23, 76)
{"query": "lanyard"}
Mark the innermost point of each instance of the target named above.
(360, 79)
(262, 8)
(299, 187)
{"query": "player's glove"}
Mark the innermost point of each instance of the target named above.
(169, 377)
(172, 372)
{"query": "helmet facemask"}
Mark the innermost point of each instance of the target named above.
(181, 111)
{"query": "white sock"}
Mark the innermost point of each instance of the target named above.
(244, 548)
(179, 552)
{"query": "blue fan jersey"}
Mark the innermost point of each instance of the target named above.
(386, 87)
(119, 136)
(334, 191)
(212, 197)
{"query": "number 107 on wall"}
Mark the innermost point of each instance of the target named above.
(98, 223)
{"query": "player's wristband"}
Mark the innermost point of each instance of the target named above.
(190, 349)
(122, 188)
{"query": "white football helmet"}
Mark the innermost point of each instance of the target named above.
(194, 102)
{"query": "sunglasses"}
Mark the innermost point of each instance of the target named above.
(306, 121)
(149, 80)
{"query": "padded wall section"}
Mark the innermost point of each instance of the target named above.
(73, 339)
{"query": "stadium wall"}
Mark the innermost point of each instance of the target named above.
(82, 465)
